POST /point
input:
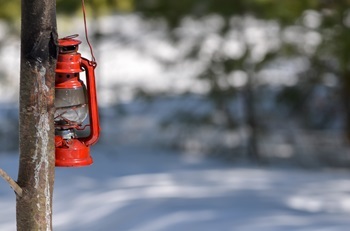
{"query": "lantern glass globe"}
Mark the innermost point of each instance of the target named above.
(71, 106)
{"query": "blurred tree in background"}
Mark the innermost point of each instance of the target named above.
(237, 23)
(313, 31)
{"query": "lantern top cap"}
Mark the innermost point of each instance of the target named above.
(69, 41)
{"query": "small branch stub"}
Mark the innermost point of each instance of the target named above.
(18, 190)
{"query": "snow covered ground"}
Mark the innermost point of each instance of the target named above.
(135, 189)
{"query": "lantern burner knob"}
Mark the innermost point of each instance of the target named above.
(65, 133)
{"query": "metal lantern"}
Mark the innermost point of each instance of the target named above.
(74, 102)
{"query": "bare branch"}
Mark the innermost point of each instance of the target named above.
(18, 190)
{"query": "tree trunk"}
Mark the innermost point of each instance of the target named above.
(37, 80)
(253, 149)
(346, 104)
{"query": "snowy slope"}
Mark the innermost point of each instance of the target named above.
(131, 189)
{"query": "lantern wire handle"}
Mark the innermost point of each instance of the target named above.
(93, 61)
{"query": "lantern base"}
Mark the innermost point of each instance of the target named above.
(76, 154)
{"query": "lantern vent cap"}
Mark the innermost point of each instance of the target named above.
(69, 41)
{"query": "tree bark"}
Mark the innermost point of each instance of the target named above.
(37, 80)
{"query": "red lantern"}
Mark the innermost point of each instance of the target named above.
(74, 102)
